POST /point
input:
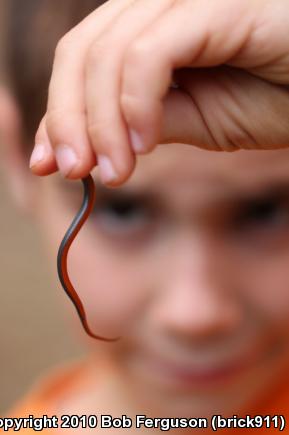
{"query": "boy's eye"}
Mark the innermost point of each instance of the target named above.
(122, 217)
(271, 214)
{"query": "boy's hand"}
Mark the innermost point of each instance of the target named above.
(110, 95)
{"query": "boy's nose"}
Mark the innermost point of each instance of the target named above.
(197, 298)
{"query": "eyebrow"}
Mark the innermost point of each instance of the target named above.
(267, 191)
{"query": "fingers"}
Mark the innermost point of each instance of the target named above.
(109, 98)
(65, 129)
(230, 32)
(107, 129)
(199, 38)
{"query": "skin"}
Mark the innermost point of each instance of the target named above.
(229, 58)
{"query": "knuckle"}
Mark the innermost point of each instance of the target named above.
(137, 54)
(64, 45)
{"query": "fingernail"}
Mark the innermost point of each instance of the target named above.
(136, 142)
(37, 155)
(106, 169)
(66, 159)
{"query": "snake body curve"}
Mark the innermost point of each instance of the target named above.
(76, 225)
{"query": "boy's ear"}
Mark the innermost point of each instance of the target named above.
(14, 162)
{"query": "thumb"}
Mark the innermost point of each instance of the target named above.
(226, 109)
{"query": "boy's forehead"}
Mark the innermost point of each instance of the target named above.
(181, 165)
(183, 173)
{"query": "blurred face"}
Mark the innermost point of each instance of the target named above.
(188, 263)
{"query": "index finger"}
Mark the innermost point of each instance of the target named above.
(66, 117)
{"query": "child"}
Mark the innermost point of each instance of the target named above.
(187, 263)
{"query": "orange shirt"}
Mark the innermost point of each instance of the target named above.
(42, 398)
(46, 392)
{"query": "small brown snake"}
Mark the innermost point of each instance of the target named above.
(76, 225)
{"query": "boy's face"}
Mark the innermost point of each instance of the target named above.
(188, 263)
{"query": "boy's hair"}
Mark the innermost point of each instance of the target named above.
(33, 29)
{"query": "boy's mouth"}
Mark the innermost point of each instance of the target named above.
(186, 375)
(202, 376)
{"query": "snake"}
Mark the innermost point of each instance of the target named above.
(80, 218)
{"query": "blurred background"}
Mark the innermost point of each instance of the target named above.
(33, 334)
